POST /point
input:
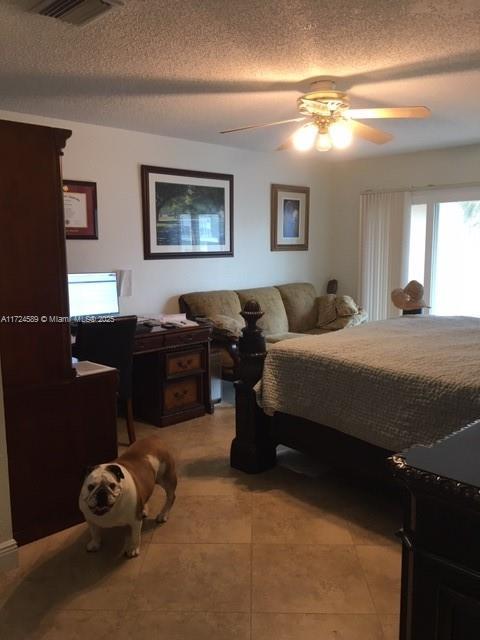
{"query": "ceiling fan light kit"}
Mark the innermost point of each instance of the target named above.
(304, 138)
(323, 142)
(324, 133)
(331, 122)
(341, 133)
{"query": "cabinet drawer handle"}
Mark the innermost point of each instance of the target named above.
(180, 394)
(182, 364)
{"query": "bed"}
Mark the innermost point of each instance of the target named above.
(353, 397)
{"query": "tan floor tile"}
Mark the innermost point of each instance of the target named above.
(382, 568)
(165, 625)
(373, 516)
(29, 556)
(203, 591)
(206, 519)
(391, 626)
(282, 481)
(207, 431)
(194, 577)
(71, 578)
(375, 521)
(210, 476)
(309, 579)
(60, 625)
(313, 626)
(286, 519)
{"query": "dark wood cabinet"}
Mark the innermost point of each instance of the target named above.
(171, 374)
(56, 422)
(441, 533)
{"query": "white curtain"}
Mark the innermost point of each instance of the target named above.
(384, 237)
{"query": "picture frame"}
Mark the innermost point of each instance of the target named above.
(186, 214)
(290, 207)
(80, 210)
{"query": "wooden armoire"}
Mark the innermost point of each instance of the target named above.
(57, 422)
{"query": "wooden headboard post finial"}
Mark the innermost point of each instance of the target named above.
(252, 449)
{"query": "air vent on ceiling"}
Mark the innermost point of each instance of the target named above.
(75, 11)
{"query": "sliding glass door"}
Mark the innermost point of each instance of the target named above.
(444, 249)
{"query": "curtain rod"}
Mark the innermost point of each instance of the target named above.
(427, 187)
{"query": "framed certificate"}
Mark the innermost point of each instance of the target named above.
(80, 209)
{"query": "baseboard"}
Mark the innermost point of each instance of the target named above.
(8, 555)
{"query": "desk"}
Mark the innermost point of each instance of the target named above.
(171, 374)
(441, 553)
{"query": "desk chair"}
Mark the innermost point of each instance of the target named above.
(111, 344)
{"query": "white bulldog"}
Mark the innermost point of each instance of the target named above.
(116, 494)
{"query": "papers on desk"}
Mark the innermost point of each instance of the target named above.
(176, 319)
(87, 368)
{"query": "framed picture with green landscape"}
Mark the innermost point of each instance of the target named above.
(186, 214)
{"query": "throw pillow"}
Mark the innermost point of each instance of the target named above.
(326, 309)
(347, 322)
(346, 306)
(227, 325)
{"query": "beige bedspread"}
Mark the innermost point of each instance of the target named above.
(392, 383)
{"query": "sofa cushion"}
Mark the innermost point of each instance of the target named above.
(211, 303)
(326, 310)
(270, 301)
(299, 299)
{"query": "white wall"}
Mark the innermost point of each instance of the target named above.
(112, 158)
(8, 546)
(349, 179)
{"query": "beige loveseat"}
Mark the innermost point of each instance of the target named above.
(291, 311)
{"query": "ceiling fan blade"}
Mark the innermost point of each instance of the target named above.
(370, 133)
(288, 144)
(260, 126)
(388, 112)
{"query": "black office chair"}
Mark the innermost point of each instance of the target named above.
(111, 344)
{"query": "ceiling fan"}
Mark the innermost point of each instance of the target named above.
(331, 122)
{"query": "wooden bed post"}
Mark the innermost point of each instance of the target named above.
(252, 449)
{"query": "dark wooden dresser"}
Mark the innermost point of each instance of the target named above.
(441, 538)
(57, 422)
(171, 374)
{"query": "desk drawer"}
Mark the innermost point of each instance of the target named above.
(148, 343)
(178, 363)
(183, 393)
(187, 337)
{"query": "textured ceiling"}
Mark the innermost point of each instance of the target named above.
(192, 68)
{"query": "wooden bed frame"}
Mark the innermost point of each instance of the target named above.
(257, 436)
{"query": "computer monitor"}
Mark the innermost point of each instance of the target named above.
(92, 294)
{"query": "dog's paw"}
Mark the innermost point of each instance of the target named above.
(161, 518)
(133, 552)
(145, 512)
(93, 546)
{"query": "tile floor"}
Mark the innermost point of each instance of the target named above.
(297, 553)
